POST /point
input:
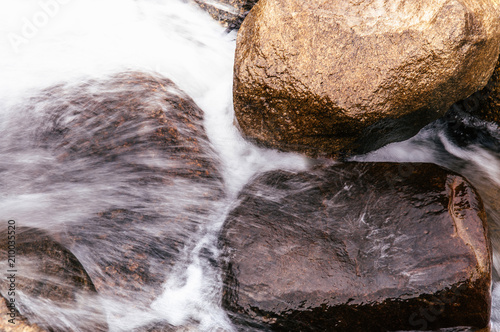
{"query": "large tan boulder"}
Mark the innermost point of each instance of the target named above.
(332, 77)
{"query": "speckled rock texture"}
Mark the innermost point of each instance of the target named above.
(135, 178)
(230, 13)
(142, 125)
(49, 273)
(342, 77)
(358, 247)
(21, 325)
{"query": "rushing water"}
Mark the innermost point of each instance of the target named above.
(54, 53)
(470, 147)
(74, 43)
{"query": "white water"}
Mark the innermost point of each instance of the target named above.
(475, 156)
(50, 42)
(76, 40)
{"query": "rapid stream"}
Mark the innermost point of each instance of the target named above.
(52, 50)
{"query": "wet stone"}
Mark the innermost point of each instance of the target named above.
(49, 273)
(230, 13)
(357, 247)
(310, 76)
(485, 103)
(127, 180)
(21, 324)
(166, 327)
(145, 128)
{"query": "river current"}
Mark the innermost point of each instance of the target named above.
(48, 43)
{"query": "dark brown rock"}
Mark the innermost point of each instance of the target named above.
(474, 150)
(48, 272)
(129, 113)
(339, 77)
(358, 247)
(230, 13)
(130, 178)
(147, 129)
(485, 104)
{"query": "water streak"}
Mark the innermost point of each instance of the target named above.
(56, 65)
(83, 42)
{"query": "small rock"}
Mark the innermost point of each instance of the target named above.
(151, 132)
(230, 13)
(49, 273)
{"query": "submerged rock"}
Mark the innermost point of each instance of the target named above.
(146, 129)
(44, 271)
(339, 77)
(125, 177)
(228, 12)
(21, 325)
(358, 247)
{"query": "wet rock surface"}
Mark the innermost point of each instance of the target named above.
(127, 175)
(166, 327)
(341, 77)
(485, 104)
(147, 129)
(21, 324)
(230, 13)
(358, 247)
(45, 271)
(464, 134)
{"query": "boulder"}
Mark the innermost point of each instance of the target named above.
(47, 273)
(126, 178)
(357, 247)
(470, 146)
(230, 13)
(342, 77)
(150, 134)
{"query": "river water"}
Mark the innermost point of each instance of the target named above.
(73, 42)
